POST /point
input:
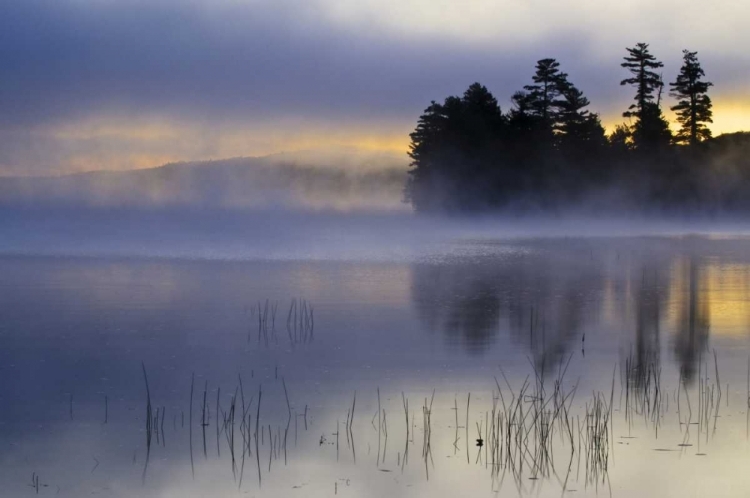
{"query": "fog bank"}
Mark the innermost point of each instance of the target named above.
(311, 180)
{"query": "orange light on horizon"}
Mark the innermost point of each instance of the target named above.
(730, 115)
(127, 142)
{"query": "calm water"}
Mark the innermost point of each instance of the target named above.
(645, 321)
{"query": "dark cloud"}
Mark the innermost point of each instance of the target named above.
(64, 59)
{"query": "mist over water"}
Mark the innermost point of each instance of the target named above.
(445, 314)
(315, 180)
(402, 303)
(535, 288)
(297, 234)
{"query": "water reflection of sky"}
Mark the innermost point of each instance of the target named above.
(80, 327)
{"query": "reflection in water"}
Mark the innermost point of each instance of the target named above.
(461, 300)
(539, 304)
(691, 334)
(546, 300)
(649, 297)
(562, 313)
(75, 333)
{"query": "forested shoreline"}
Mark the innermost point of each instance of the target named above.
(549, 151)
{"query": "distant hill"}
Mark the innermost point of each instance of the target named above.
(301, 180)
(738, 142)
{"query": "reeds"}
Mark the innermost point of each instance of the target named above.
(520, 433)
(643, 393)
(349, 427)
(35, 482)
(405, 403)
(149, 423)
(596, 438)
(300, 322)
(528, 431)
(427, 434)
(190, 424)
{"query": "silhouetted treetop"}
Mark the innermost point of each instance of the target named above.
(641, 64)
(449, 146)
(651, 129)
(550, 149)
(542, 97)
(693, 103)
(577, 125)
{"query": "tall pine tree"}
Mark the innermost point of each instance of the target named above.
(650, 128)
(543, 95)
(694, 105)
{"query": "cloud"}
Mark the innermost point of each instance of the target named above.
(608, 25)
(284, 74)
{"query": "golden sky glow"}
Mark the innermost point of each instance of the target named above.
(146, 142)
(726, 290)
(731, 114)
(722, 296)
(256, 77)
(118, 143)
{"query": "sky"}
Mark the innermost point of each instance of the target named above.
(120, 84)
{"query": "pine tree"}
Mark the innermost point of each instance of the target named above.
(650, 128)
(425, 140)
(576, 125)
(520, 120)
(543, 95)
(621, 139)
(641, 64)
(572, 109)
(451, 149)
(482, 118)
(694, 105)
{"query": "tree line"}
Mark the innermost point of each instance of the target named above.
(549, 150)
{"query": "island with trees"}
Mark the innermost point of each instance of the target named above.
(549, 151)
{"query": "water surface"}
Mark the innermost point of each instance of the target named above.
(642, 323)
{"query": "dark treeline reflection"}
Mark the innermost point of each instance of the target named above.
(543, 304)
(691, 335)
(641, 360)
(554, 306)
(549, 151)
(684, 288)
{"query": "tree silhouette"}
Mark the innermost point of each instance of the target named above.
(542, 97)
(550, 149)
(694, 105)
(641, 64)
(451, 151)
(621, 139)
(425, 139)
(578, 127)
(521, 121)
(650, 128)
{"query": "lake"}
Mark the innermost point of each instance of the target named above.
(334, 355)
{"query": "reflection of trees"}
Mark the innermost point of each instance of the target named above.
(691, 336)
(461, 300)
(542, 304)
(546, 298)
(649, 297)
(547, 312)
